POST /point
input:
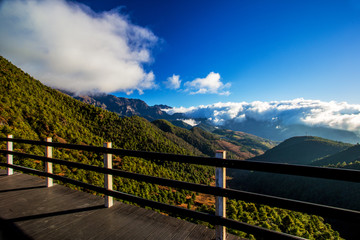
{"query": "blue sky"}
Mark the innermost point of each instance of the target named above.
(266, 50)
(252, 50)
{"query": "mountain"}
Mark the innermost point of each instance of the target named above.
(244, 145)
(253, 144)
(124, 106)
(207, 142)
(302, 150)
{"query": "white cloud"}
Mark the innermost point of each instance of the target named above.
(173, 82)
(191, 122)
(67, 45)
(210, 84)
(337, 115)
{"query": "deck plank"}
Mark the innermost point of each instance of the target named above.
(58, 212)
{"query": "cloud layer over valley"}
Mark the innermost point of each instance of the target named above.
(67, 45)
(313, 113)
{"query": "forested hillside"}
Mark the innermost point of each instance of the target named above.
(237, 144)
(208, 143)
(30, 110)
(252, 144)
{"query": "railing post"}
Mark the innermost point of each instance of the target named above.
(48, 165)
(220, 202)
(108, 177)
(9, 147)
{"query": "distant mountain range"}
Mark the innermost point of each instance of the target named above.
(276, 131)
(124, 106)
(279, 132)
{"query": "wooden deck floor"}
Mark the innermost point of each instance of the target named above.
(30, 210)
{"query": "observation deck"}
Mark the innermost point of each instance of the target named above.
(31, 210)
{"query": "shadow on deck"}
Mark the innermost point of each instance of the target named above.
(30, 210)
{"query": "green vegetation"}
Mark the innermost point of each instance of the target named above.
(281, 220)
(248, 142)
(291, 222)
(351, 165)
(30, 110)
(196, 137)
(238, 145)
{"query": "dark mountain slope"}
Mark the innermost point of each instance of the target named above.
(302, 150)
(349, 155)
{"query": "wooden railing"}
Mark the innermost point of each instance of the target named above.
(220, 191)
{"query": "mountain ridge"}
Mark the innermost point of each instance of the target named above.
(273, 130)
(123, 106)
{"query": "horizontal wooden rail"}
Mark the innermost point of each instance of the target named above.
(289, 169)
(310, 208)
(212, 219)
